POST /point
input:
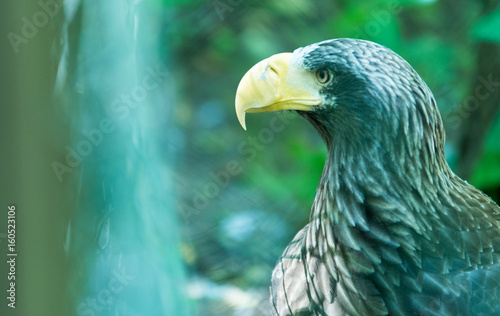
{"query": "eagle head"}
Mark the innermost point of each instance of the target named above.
(361, 97)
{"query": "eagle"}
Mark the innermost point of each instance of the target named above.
(392, 230)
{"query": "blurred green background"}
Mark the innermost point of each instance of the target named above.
(178, 210)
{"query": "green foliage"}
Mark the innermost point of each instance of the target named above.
(297, 174)
(486, 29)
(487, 173)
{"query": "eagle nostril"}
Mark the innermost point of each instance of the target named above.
(272, 72)
(272, 69)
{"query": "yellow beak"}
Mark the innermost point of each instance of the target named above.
(274, 84)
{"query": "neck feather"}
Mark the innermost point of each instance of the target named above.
(375, 199)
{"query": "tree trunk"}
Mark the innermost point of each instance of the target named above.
(480, 108)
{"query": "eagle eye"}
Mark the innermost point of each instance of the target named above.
(323, 75)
